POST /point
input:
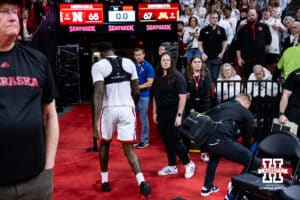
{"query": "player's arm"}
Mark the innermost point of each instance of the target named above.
(135, 91)
(98, 95)
(134, 83)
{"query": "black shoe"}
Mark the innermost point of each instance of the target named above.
(142, 145)
(207, 191)
(135, 144)
(105, 187)
(59, 109)
(145, 189)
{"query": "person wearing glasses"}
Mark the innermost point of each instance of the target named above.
(29, 129)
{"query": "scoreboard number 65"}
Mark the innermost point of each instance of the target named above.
(93, 16)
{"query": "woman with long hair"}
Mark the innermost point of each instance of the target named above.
(276, 9)
(200, 12)
(168, 105)
(199, 84)
(228, 83)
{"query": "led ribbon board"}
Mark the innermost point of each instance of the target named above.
(81, 14)
(158, 12)
(121, 13)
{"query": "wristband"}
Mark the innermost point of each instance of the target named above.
(179, 114)
(281, 113)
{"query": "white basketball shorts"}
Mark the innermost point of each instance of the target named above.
(122, 119)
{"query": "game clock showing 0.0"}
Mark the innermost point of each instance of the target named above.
(158, 12)
(121, 13)
(81, 14)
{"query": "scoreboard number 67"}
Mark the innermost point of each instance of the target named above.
(147, 15)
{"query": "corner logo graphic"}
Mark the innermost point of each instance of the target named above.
(5, 64)
(272, 170)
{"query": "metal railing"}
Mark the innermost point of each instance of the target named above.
(265, 94)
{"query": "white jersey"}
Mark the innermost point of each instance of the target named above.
(275, 43)
(115, 94)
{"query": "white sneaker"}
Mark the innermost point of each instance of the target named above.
(167, 170)
(189, 170)
(204, 157)
(229, 187)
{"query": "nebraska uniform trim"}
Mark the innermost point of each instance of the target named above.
(19, 81)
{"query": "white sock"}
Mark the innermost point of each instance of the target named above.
(104, 177)
(140, 177)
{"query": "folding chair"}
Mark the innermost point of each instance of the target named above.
(291, 192)
(276, 145)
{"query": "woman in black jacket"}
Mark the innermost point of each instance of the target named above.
(168, 105)
(199, 84)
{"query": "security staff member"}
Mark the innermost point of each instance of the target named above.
(289, 107)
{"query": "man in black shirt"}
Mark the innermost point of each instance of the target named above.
(252, 43)
(28, 120)
(234, 120)
(289, 106)
(213, 44)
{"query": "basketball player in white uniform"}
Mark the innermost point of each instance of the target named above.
(115, 94)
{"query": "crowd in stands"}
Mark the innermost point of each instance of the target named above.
(231, 37)
(32, 13)
(243, 44)
(256, 32)
(226, 48)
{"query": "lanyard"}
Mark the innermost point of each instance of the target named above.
(197, 81)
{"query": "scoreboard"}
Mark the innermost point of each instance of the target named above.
(158, 12)
(121, 13)
(134, 17)
(76, 14)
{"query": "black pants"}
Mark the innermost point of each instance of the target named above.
(230, 150)
(171, 136)
(214, 66)
(293, 113)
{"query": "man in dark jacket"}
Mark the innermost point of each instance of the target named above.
(233, 120)
(252, 43)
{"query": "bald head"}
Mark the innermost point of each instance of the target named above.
(251, 16)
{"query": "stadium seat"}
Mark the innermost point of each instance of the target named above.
(276, 145)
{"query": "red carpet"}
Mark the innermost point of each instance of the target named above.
(76, 170)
